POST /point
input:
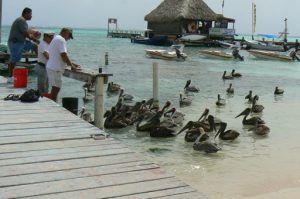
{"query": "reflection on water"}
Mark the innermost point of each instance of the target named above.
(249, 166)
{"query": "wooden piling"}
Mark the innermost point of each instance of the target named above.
(155, 84)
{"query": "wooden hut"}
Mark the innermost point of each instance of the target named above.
(179, 17)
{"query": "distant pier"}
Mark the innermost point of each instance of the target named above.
(124, 33)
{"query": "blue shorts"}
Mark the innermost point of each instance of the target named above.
(16, 49)
(28, 46)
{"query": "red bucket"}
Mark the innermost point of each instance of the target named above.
(20, 77)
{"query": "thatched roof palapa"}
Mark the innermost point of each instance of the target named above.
(177, 10)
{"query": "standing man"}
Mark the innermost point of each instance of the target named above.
(59, 60)
(43, 56)
(16, 40)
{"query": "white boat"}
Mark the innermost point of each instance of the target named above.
(192, 37)
(222, 55)
(288, 56)
(174, 53)
(253, 44)
(227, 45)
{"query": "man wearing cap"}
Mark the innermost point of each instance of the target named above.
(42, 57)
(59, 60)
(16, 40)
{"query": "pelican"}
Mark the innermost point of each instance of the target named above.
(90, 86)
(278, 91)
(87, 96)
(126, 97)
(234, 74)
(260, 129)
(249, 97)
(207, 127)
(220, 101)
(162, 131)
(230, 90)
(203, 118)
(175, 115)
(252, 120)
(206, 145)
(113, 121)
(86, 115)
(256, 108)
(113, 88)
(184, 100)
(224, 77)
(192, 134)
(190, 88)
(226, 135)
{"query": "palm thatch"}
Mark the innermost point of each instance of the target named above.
(177, 10)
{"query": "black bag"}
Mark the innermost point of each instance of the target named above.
(30, 96)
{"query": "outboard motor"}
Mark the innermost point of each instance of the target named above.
(237, 55)
(178, 53)
(294, 55)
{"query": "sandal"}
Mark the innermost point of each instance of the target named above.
(9, 97)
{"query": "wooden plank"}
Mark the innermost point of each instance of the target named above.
(35, 154)
(63, 165)
(58, 157)
(39, 146)
(87, 183)
(75, 173)
(190, 195)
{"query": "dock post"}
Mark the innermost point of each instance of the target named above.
(155, 84)
(99, 102)
(106, 58)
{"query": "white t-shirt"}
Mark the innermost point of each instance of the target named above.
(42, 47)
(57, 46)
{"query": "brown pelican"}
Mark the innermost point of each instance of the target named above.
(206, 145)
(278, 91)
(175, 115)
(113, 88)
(249, 97)
(224, 77)
(162, 131)
(207, 127)
(252, 120)
(190, 88)
(256, 108)
(113, 121)
(192, 134)
(90, 86)
(230, 90)
(260, 129)
(126, 97)
(226, 135)
(204, 118)
(86, 115)
(234, 74)
(184, 100)
(220, 101)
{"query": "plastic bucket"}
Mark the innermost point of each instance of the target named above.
(71, 104)
(20, 77)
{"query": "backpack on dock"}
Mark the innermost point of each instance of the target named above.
(30, 96)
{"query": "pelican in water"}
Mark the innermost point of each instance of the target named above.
(192, 135)
(162, 131)
(249, 97)
(278, 91)
(87, 96)
(260, 129)
(86, 115)
(256, 108)
(126, 97)
(113, 121)
(250, 121)
(226, 135)
(230, 90)
(190, 88)
(90, 86)
(113, 88)
(204, 118)
(234, 74)
(184, 100)
(220, 101)
(175, 115)
(226, 77)
(206, 146)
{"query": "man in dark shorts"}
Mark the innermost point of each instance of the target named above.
(16, 40)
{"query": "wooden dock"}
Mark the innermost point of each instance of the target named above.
(124, 33)
(48, 152)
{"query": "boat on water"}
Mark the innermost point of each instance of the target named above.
(234, 55)
(192, 37)
(274, 55)
(162, 40)
(267, 46)
(175, 52)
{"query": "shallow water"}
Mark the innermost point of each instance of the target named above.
(247, 167)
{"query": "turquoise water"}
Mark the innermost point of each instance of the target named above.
(245, 168)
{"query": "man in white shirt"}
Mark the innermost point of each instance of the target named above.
(43, 56)
(59, 60)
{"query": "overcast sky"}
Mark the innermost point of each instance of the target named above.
(130, 13)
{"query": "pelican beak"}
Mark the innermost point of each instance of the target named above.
(187, 126)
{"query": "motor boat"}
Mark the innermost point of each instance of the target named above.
(222, 54)
(281, 56)
(175, 52)
(267, 46)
